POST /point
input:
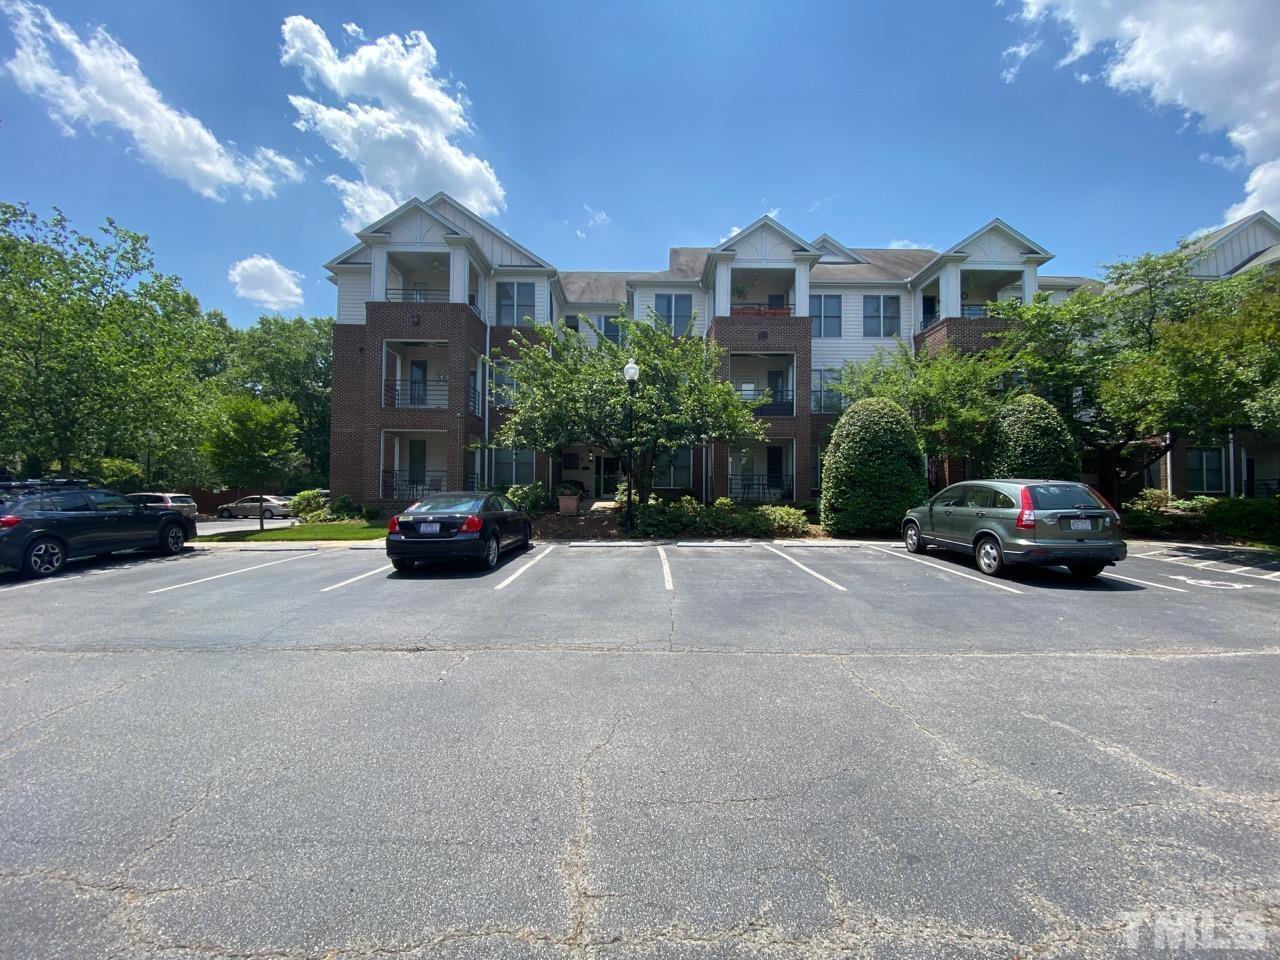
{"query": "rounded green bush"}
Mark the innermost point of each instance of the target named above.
(873, 471)
(1030, 440)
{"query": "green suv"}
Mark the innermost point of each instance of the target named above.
(1001, 522)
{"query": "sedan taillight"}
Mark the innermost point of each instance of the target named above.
(470, 525)
(8, 521)
(394, 525)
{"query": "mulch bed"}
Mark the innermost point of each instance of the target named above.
(597, 525)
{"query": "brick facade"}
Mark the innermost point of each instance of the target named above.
(966, 334)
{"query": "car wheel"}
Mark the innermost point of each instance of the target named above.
(224, 514)
(172, 539)
(911, 536)
(527, 541)
(990, 560)
(1086, 570)
(268, 515)
(490, 558)
(44, 558)
(403, 564)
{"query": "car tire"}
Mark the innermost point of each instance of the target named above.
(1086, 571)
(989, 556)
(491, 552)
(911, 536)
(403, 564)
(527, 541)
(172, 539)
(268, 515)
(44, 557)
(224, 514)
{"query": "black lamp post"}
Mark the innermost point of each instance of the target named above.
(631, 373)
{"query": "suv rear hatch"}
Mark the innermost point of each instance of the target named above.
(1071, 513)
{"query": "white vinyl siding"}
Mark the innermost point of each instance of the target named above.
(831, 353)
(1229, 254)
(353, 292)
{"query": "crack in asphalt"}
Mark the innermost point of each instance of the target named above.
(84, 701)
(575, 865)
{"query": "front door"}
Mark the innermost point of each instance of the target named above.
(417, 382)
(608, 472)
(416, 477)
(777, 380)
(774, 460)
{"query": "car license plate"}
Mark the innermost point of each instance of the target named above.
(1085, 524)
(428, 528)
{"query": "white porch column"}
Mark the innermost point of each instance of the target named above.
(459, 273)
(949, 291)
(378, 276)
(1030, 282)
(802, 290)
(917, 313)
(723, 288)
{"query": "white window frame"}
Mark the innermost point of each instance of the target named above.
(670, 319)
(1200, 453)
(517, 316)
(881, 297)
(823, 380)
(823, 316)
(668, 482)
(512, 467)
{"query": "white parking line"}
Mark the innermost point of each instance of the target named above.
(812, 573)
(945, 569)
(36, 583)
(232, 573)
(666, 569)
(1190, 562)
(525, 567)
(354, 579)
(1145, 583)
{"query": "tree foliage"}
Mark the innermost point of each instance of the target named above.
(566, 390)
(873, 471)
(1029, 439)
(250, 441)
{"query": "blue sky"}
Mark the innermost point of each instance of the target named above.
(599, 134)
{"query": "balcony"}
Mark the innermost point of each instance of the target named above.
(761, 310)
(761, 488)
(411, 484)
(473, 397)
(777, 403)
(419, 394)
(416, 295)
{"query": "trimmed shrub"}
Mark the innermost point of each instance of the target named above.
(530, 497)
(370, 514)
(310, 506)
(873, 471)
(1245, 519)
(344, 507)
(665, 519)
(1029, 439)
(785, 521)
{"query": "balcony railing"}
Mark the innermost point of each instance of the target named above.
(761, 310)
(411, 484)
(1262, 489)
(473, 397)
(777, 403)
(416, 295)
(756, 488)
(420, 394)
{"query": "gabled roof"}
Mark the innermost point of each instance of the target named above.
(875, 265)
(829, 245)
(1030, 247)
(441, 195)
(728, 243)
(1261, 259)
(594, 286)
(1214, 237)
(411, 204)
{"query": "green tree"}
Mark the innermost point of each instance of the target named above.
(251, 441)
(290, 358)
(873, 471)
(950, 396)
(1030, 440)
(101, 352)
(566, 391)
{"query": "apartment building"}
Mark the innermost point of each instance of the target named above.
(431, 289)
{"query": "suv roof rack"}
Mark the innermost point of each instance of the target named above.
(42, 484)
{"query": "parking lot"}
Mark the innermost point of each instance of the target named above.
(794, 750)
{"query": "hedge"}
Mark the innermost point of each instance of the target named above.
(1030, 440)
(873, 471)
(664, 519)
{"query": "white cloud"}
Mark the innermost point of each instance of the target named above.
(820, 203)
(580, 234)
(395, 122)
(773, 212)
(261, 280)
(1017, 55)
(733, 232)
(354, 30)
(1219, 62)
(97, 82)
(907, 245)
(596, 218)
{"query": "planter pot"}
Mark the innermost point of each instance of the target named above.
(569, 505)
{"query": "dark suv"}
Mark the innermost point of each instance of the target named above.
(1001, 522)
(42, 526)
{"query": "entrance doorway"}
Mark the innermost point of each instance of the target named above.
(608, 473)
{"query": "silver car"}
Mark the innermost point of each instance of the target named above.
(269, 506)
(166, 501)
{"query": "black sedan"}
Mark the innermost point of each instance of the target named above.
(43, 526)
(451, 526)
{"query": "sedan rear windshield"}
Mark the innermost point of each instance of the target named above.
(1064, 496)
(447, 504)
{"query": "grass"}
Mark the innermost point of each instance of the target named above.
(346, 530)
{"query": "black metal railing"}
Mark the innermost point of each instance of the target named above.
(420, 393)
(761, 488)
(411, 484)
(777, 403)
(416, 295)
(473, 397)
(1262, 489)
(761, 310)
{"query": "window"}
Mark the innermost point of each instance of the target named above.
(824, 398)
(977, 498)
(569, 461)
(1204, 469)
(512, 466)
(1003, 501)
(68, 501)
(881, 316)
(824, 312)
(504, 385)
(674, 471)
(676, 311)
(107, 501)
(570, 323)
(609, 328)
(515, 303)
